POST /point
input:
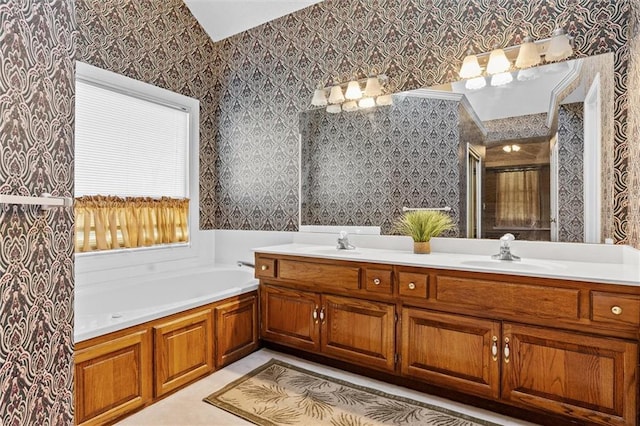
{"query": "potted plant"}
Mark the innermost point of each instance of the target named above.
(421, 225)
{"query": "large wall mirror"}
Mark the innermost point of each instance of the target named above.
(522, 157)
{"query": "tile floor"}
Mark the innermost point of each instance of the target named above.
(186, 408)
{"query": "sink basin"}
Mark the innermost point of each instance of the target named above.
(334, 252)
(523, 265)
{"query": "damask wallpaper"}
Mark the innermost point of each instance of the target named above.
(513, 128)
(570, 173)
(36, 248)
(633, 230)
(253, 85)
(361, 168)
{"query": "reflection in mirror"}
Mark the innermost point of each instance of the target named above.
(523, 157)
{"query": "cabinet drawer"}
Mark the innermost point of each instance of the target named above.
(413, 285)
(509, 298)
(378, 281)
(265, 268)
(615, 308)
(332, 276)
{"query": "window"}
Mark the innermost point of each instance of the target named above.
(135, 164)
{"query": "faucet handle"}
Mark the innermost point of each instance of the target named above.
(506, 239)
(343, 235)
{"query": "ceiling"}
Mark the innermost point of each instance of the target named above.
(224, 18)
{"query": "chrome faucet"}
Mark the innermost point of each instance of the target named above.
(241, 263)
(505, 249)
(343, 242)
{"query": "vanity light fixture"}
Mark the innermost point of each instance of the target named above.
(511, 148)
(350, 96)
(524, 56)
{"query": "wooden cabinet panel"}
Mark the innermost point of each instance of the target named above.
(451, 350)
(290, 317)
(413, 285)
(329, 276)
(265, 267)
(112, 378)
(183, 351)
(614, 308)
(588, 378)
(507, 298)
(378, 281)
(359, 331)
(236, 325)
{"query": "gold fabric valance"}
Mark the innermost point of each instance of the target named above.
(108, 222)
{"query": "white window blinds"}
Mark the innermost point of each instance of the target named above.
(129, 147)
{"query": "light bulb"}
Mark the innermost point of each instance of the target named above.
(475, 83)
(528, 55)
(353, 91)
(501, 79)
(506, 148)
(498, 62)
(515, 148)
(372, 89)
(336, 96)
(367, 103)
(319, 98)
(470, 67)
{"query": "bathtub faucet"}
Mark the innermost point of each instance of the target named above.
(241, 263)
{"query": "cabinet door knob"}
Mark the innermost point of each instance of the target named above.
(412, 286)
(494, 348)
(322, 314)
(264, 267)
(376, 281)
(616, 310)
(507, 350)
(315, 315)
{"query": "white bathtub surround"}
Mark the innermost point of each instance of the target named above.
(186, 407)
(104, 309)
(231, 245)
(609, 269)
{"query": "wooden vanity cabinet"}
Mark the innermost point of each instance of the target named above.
(551, 347)
(112, 378)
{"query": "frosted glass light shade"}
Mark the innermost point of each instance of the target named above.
(470, 67)
(334, 108)
(528, 74)
(384, 100)
(367, 103)
(319, 98)
(528, 55)
(372, 88)
(475, 83)
(336, 96)
(498, 62)
(353, 91)
(349, 106)
(501, 79)
(559, 46)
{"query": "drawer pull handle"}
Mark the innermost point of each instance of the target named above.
(412, 286)
(507, 350)
(494, 348)
(264, 267)
(616, 310)
(376, 281)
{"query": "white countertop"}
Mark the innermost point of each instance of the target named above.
(611, 273)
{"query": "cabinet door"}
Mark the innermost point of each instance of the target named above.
(359, 331)
(236, 324)
(451, 350)
(290, 317)
(112, 378)
(183, 351)
(587, 378)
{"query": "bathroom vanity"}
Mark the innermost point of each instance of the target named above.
(529, 335)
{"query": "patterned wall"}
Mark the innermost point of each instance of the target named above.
(161, 43)
(36, 249)
(512, 128)
(570, 173)
(633, 231)
(361, 168)
(267, 76)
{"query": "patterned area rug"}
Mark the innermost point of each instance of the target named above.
(278, 393)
